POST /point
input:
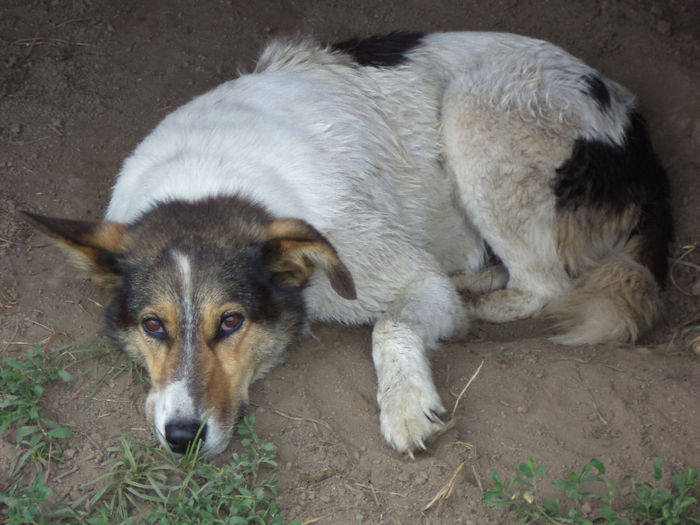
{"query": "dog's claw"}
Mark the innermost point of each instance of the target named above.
(433, 417)
(407, 426)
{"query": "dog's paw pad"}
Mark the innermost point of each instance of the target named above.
(409, 418)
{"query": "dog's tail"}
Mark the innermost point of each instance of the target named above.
(614, 247)
(617, 299)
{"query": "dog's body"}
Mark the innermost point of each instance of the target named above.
(390, 164)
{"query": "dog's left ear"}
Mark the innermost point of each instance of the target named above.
(294, 249)
(91, 245)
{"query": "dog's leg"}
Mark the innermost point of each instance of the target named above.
(502, 306)
(534, 276)
(488, 280)
(502, 160)
(426, 311)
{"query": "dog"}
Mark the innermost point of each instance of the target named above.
(408, 181)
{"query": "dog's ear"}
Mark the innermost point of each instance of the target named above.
(294, 249)
(91, 245)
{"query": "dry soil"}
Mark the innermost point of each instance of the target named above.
(84, 80)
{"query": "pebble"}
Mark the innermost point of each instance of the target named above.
(696, 347)
(421, 477)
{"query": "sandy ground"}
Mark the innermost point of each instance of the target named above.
(84, 80)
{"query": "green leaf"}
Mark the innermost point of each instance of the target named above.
(591, 479)
(63, 375)
(561, 484)
(598, 465)
(522, 481)
(37, 390)
(659, 496)
(683, 503)
(552, 507)
(60, 432)
(527, 468)
(607, 512)
(14, 363)
(23, 432)
(658, 463)
(498, 503)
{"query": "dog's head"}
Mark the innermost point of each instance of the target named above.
(207, 298)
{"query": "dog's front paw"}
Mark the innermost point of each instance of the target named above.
(410, 416)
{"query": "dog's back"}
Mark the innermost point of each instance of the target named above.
(352, 134)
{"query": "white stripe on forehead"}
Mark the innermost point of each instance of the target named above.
(186, 296)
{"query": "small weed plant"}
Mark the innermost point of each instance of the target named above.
(22, 384)
(591, 496)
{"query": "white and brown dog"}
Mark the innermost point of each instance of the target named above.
(368, 183)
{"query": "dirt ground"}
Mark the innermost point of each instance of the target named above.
(84, 80)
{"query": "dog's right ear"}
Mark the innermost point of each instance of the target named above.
(91, 245)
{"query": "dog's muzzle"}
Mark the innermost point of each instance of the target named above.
(181, 435)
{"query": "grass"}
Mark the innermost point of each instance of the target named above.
(593, 497)
(166, 488)
(22, 385)
(142, 483)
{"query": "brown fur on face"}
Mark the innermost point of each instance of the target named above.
(228, 366)
(221, 368)
(157, 356)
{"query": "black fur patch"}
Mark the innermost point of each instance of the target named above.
(382, 50)
(598, 91)
(606, 176)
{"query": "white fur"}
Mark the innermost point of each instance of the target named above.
(185, 268)
(405, 170)
(174, 402)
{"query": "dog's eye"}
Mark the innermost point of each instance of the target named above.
(229, 324)
(153, 327)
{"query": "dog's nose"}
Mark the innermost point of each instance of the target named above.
(179, 434)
